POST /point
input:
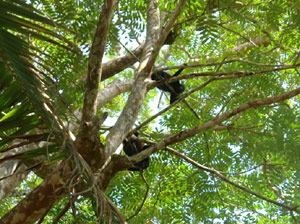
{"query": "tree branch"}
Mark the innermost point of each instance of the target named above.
(221, 63)
(222, 177)
(112, 90)
(62, 212)
(233, 73)
(170, 106)
(139, 90)
(117, 65)
(212, 123)
(87, 141)
(145, 197)
(152, 46)
(95, 62)
(33, 207)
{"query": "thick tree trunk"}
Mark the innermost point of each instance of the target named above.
(40, 200)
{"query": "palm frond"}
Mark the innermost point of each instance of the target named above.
(24, 101)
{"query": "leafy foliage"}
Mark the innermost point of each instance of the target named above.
(249, 48)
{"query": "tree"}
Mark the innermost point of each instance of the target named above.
(75, 82)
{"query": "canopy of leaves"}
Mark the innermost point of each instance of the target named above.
(236, 52)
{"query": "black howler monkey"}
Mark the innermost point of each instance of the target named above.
(174, 88)
(133, 146)
(173, 34)
(170, 38)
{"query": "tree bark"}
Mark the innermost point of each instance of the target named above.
(40, 200)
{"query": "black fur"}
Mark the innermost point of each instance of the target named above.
(170, 38)
(174, 88)
(132, 147)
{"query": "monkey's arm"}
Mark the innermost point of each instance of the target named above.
(179, 71)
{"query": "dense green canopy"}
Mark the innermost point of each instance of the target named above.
(227, 151)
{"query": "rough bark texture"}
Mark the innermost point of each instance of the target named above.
(95, 62)
(8, 184)
(117, 65)
(117, 163)
(154, 40)
(113, 90)
(139, 90)
(87, 142)
(39, 201)
(14, 171)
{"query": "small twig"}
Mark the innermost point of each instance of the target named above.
(160, 97)
(221, 63)
(241, 172)
(145, 197)
(72, 203)
(129, 51)
(296, 59)
(191, 109)
(171, 105)
(293, 217)
(62, 213)
(160, 178)
(232, 73)
(218, 174)
(116, 210)
(237, 33)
